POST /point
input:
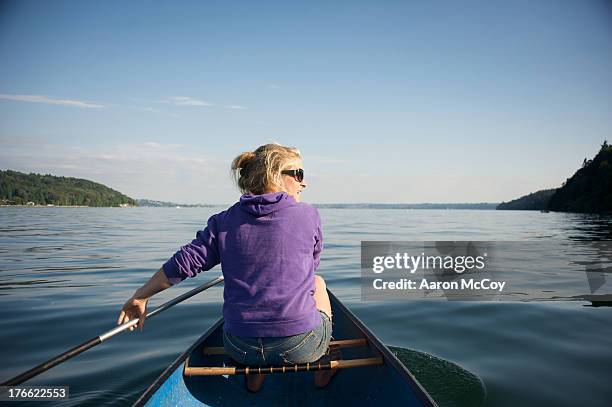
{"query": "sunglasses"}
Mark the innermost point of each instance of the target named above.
(298, 174)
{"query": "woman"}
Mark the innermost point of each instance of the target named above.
(269, 244)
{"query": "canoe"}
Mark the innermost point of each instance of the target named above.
(386, 383)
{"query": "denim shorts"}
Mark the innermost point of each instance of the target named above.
(302, 348)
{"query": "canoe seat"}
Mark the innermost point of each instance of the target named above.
(346, 343)
(331, 360)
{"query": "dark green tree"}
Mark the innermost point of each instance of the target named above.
(19, 188)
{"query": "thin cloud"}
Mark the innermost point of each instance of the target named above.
(187, 101)
(235, 107)
(153, 144)
(153, 110)
(328, 160)
(51, 101)
(273, 86)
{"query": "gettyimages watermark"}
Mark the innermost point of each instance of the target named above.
(482, 271)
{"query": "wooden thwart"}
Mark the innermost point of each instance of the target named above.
(302, 367)
(323, 364)
(345, 343)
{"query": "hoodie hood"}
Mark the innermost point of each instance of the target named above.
(261, 205)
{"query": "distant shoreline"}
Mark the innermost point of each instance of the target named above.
(319, 206)
(63, 206)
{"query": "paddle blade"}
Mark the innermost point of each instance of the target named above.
(447, 383)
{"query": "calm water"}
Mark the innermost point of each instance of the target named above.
(65, 273)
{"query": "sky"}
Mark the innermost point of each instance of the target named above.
(389, 102)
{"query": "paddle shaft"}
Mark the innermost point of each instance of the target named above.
(99, 339)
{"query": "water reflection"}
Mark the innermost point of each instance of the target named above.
(589, 227)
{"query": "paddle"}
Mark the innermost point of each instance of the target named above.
(99, 339)
(448, 383)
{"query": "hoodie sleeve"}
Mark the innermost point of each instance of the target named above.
(318, 247)
(200, 255)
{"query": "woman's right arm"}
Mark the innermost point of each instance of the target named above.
(136, 307)
(201, 254)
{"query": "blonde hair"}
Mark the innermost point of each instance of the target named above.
(260, 171)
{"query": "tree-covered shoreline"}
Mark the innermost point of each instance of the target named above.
(17, 188)
(534, 201)
(589, 190)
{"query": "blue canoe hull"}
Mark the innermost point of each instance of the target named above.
(387, 384)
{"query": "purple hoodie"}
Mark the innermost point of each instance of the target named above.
(269, 247)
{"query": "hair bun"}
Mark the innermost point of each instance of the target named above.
(248, 157)
(244, 162)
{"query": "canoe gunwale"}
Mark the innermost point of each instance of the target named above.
(388, 356)
(142, 400)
